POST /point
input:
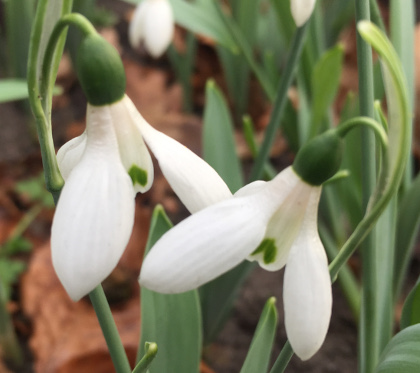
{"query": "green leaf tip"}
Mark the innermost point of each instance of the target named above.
(138, 175)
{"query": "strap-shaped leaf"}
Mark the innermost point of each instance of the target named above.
(202, 17)
(172, 321)
(411, 310)
(325, 82)
(401, 355)
(259, 353)
(219, 148)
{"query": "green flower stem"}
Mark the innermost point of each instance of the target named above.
(283, 359)
(109, 330)
(75, 19)
(279, 102)
(369, 323)
(54, 181)
(367, 122)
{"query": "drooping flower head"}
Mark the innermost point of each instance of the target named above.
(301, 10)
(272, 222)
(153, 25)
(106, 166)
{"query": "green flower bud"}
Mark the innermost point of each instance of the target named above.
(320, 158)
(100, 70)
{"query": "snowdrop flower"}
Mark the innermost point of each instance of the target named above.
(153, 24)
(274, 223)
(103, 170)
(301, 10)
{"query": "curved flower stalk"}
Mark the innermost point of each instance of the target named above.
(152, 24)
(301, 10)
(272, 222)
(106, 166)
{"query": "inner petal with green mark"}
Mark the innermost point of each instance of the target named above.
(138, 175)
(268, 250)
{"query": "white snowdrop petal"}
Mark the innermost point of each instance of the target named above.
(301, 10)
(204, 246)
(133, 151)
(136, 26)
(195, 182)
(307, 288)
(158, 27)
(212, 241)
(95, 213)
(70, 154)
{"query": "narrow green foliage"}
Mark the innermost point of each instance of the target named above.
(138, 175)
(259, 353)
(325, 82)
(202, 17)
(408, 223)
(172, 321)
(219, 147)
(401, 355)
(13, 89)
(411, 310)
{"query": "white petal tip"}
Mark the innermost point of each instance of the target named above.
(302, 11)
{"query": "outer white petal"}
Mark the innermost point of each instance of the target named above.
(302, 10)
(136, 27)
(195, 182)
(307, 287)
(69, 155)
(95, 212)
(133, 150)
(209, 243)
(286, 222)
(158, 27)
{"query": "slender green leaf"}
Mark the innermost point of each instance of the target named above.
(202, 17)
(325, 81)
(219, 147)
(18, 17)
(411, 310)
(172, 321)
(13, 89)
(408, 223)
(285, 19)
(402, 353)
(259, 353)
(217, 298)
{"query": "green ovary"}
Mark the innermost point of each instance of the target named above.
(138, 175)
(268, 250)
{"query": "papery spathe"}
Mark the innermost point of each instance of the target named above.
(152, 24)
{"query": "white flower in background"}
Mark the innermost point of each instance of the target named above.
(95, 213)
(301, 10)
(152, 24)
(273, 222)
